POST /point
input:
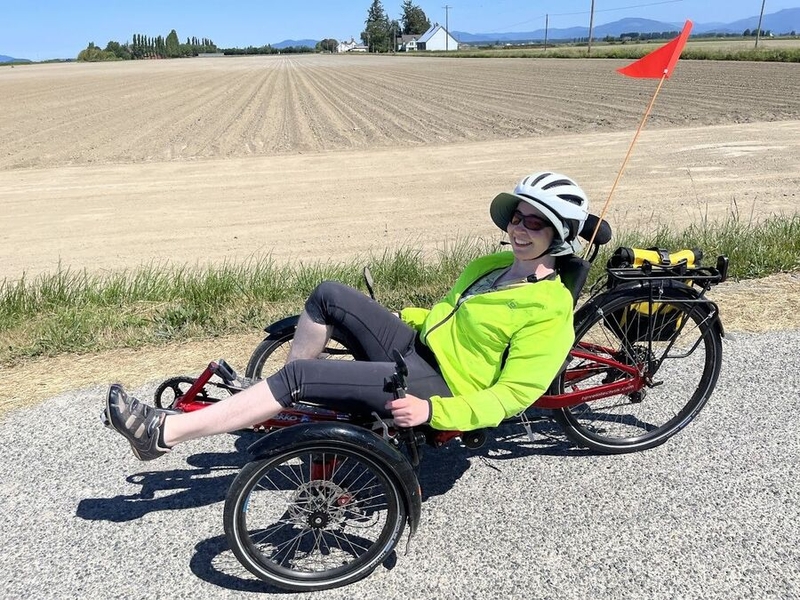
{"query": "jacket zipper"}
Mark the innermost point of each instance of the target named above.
(459, 302)
(440, 323)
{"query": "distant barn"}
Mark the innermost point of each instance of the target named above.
(437, 38)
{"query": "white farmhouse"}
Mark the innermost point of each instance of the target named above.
(351, 46)
(437, 38)
(408, 43)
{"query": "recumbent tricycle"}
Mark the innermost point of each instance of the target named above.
(327, 494)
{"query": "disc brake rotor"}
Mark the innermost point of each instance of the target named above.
(318, 497)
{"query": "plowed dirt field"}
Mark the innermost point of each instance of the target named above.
(108, 166)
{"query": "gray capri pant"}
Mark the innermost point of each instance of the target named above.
(371, 332)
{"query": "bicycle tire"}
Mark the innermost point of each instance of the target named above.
(647, 418)
(271, 353)
(284, 524)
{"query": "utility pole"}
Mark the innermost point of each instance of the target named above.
(546, 26)
(447, 8)
(761, 16)
(591, 26)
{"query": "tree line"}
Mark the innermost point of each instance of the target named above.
(665, 35)
(380, 35)
(142, 47)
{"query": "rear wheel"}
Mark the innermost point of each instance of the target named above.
(271, 354)
(669, 350)
(314, 517)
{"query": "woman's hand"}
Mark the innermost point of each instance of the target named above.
(409, 411)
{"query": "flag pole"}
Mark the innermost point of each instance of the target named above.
(625, 161)
(658, 64)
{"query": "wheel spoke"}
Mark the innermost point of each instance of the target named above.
(301, 531)
(677, 341)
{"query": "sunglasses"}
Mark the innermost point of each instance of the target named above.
(529, 222)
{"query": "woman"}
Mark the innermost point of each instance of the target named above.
(486, 352)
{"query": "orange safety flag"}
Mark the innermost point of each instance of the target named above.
(661, 62)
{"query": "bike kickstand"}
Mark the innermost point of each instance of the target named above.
(526, 424)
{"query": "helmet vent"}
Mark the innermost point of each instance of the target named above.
(571, 199)
(538, 179)
(557, 182)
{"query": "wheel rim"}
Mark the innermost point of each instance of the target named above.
(676, 372)
(318, 515)
(275, 356)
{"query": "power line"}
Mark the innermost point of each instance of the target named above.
(586, 12)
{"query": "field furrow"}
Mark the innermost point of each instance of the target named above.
(209, 108)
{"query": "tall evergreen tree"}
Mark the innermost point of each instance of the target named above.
(414, 19)
(377, 32)
(172, 46)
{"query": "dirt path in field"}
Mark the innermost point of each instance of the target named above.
(110, 166)
(336, 206)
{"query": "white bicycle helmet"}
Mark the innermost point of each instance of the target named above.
(560, 200)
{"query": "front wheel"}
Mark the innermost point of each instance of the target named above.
(669, 349)
(314, 517)
(271, 354)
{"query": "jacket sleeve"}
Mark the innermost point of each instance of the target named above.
(536, 354)
(414, 317)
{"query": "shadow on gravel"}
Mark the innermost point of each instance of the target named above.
(442, 467)
(209, 480)
(205, 484)
(512, 441)
(213, 562)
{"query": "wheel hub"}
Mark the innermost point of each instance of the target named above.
(318, 519)
(317, 504)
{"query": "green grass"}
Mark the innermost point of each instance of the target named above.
(741, 50)
(75, 311)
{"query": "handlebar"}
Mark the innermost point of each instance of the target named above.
(398, 384)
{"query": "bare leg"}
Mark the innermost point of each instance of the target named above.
(252, 405)
(310, 339)
(242, 410)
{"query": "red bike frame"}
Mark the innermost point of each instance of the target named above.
(593, 359)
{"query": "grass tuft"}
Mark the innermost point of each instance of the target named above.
(77, 311)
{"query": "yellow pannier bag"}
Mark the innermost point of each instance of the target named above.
(645, 320)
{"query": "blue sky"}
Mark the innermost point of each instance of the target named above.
(40, 30)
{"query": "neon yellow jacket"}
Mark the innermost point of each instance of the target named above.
(531, 322)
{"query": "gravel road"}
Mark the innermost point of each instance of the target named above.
(714, 513)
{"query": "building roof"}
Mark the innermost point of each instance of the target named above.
(430, 33)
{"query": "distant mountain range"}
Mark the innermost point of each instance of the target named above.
(8, 59)
(295, 43)
(784, 21)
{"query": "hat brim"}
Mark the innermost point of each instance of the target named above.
(504, 204)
